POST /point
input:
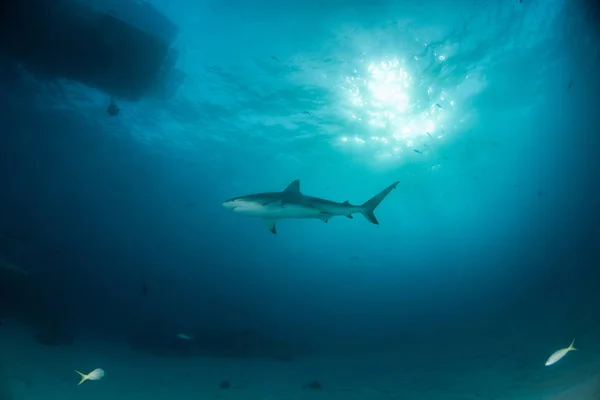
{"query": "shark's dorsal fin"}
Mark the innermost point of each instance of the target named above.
(293, 187)
(346, 203)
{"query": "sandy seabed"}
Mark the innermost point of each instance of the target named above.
(30, 371)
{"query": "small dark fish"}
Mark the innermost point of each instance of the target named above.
(429, 134)
(314, 385)
(438, 105)
(113, 110)
(307, 113)
(19, 237)
(417, 151)
(275, 58)
(425, 145)
(225, 385)
(570, 84)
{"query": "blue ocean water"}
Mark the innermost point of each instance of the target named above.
(114, 241)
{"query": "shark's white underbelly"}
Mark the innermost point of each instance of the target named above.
(279, 212)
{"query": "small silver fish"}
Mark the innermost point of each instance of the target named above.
(557, 355)
(13, 268)
(183, 336)
(95, 375)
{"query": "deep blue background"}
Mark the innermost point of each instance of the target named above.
(506, 260)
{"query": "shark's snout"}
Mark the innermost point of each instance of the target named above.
(243, 206)
(229, 205)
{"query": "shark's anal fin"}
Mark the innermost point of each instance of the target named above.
(350, 216)
(271, 225)
(293, 187)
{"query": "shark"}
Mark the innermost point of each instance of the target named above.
(291, 203)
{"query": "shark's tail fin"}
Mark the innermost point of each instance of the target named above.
(369, 207)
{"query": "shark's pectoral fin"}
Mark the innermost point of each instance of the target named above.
(325, 217)
(271, 225)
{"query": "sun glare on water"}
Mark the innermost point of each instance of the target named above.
(394, 112)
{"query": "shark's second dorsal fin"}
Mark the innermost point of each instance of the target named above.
(293, 187)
